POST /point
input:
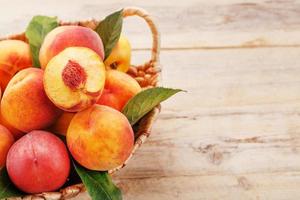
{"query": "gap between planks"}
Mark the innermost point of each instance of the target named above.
(218, 47)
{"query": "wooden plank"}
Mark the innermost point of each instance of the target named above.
(189, 24)
(236, 128)
(275, 186)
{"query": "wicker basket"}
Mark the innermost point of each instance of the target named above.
(147, 76)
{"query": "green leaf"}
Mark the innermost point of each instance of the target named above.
(109, 31)
(7, 189)
(98, 184)
(145, 101)
(36, 31)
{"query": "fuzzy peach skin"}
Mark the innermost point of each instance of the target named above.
(79, 77)
(62, 124)
(24, 104)
(100, 138)
(6, 140)
(120, 56)
(15, 55)
(15, 132)
(118, 89)
(69, 36)
(38, 162)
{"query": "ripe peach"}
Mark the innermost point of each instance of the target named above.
(120, 56)
(15, 132)
(6, 140)
(62, 124)
(69, 36)
(38, 162)
(100, 138)
(78, 75)
(15, 55)
(24, 104)
(118, 89)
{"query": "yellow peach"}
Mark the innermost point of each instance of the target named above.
(24, 104)
(15, 132)
(120, 56)
(118, 89)
(62, 124)
(15, 55)
(100, 138)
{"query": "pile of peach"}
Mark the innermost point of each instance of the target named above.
(75, 94)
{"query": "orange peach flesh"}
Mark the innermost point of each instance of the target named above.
(15, 56)
(79, 77)
(119, 88)
(100, 138)
(24, 104)
(63, 37)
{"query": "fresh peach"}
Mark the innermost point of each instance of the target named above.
(38, 162)
(118, 89)
(15, 55)
(120, 56)
(62, 124)
(24, 104)
(74, 79)
(15, 132)
(6, 140)
(100, 138)
(69, 36)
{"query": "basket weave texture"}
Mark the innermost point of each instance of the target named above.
(147, 75)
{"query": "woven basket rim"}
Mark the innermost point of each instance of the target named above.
(147, 74)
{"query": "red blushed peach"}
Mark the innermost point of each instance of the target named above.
(118, 89)
(62, 124)
(38, 162)
(74, 79)
(24, 104)
(15, 55)
(69, 36)
(100, 138)
(6, 140)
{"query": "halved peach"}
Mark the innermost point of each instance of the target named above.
(74, 79)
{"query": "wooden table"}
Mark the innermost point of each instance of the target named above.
(236, 133)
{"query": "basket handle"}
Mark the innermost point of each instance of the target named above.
(134, 11)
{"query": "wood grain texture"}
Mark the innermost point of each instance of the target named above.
(188, 24)
(236, 133)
